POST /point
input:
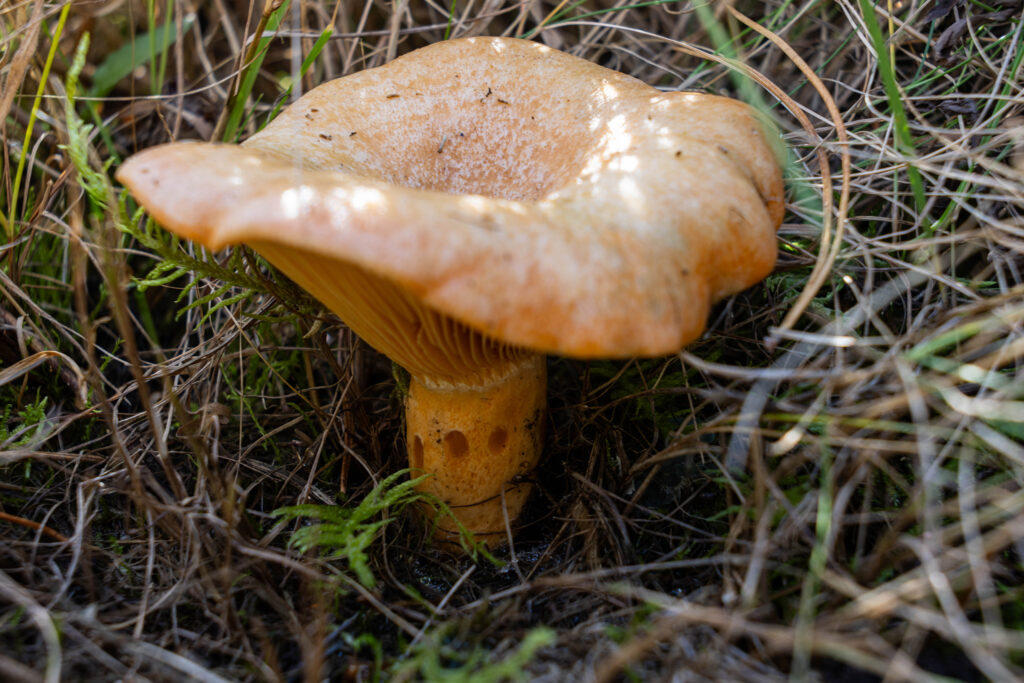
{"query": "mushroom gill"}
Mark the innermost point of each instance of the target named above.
(475, 407)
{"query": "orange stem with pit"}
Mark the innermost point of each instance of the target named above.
(479, 443)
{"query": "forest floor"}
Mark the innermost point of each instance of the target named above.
(827, 485)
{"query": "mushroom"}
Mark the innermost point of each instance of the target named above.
(476, 204)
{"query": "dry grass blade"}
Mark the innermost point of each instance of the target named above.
(15, 71)
(25, 365)
(16, 594)
(830, 244)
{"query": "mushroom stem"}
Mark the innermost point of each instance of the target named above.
(479, 442)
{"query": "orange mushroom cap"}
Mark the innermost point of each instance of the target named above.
(538, 198)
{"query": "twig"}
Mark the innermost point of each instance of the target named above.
(52, 533)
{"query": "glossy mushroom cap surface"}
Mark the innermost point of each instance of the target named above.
(537, 198)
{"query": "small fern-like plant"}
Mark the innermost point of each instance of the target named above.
(439, 658)
(31, 424)
(172, 260)
(347, 532)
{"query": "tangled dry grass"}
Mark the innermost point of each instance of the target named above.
(826, 486)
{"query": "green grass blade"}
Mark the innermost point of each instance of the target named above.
(151, 40)
(167, 37)
(904, 140)
(250, 71)
(314, 52)
(451, 18)
(125, 59)
(54, 42)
